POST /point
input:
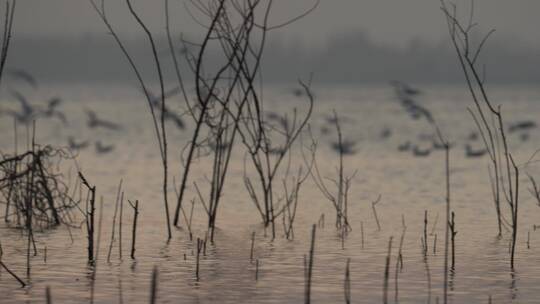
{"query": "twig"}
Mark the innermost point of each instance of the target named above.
(12, 274)
(134, 226)
(399, 263)
(154, 286)
(252, 246)
(425, 232)
(89, 214)
(375, 211)
(387, 272)
(48, 295)
(309, 268)
(347, 283)
(114, 221)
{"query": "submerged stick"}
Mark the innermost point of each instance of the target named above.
(435, 245)
(453, 233)
(375, 212)
(257, 270)
(434, 224)
(309, 268)
(347, 283)
(425, 232)
(362, 232)
(399, 261)
(48, 294)
(387, 272)
(320, 222)
(98, 246)
(428, 275)
(120, 291)
(447, 216)
(199, 249)
(134, 226)
(120, 227)
(90, 214)
(111, 244)
(154, 286)
(514, 213)
(12, 274)
(252, 246)
(204, 243)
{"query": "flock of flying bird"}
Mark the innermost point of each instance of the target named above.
(405, 94)
(28, 112)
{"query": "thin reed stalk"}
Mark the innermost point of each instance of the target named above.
(48, 295)
(425, 232)
(347, 283)
(362, 232)
(113, 233)
(120, 227)
(514, 213)
(23, 284)
(198, 122)
(428, 277)
(154, 285)
(94, 264)
(453, 234)
(435, 245)
(252, 246)
(134, 227)
(159, 124)
(7, 32)
(257, 270)
(338, 197)
(199, 249)
(373, 204)
(460, 34)
(447, 220)
(387, 272)
(399, 263)
(90, 211)
(308, 266)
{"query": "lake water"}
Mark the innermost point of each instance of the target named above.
(408, 186)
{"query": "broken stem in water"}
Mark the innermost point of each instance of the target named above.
(134, 226)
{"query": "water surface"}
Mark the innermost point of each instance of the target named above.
(408, 185)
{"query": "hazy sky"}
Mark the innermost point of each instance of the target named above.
(387, 21)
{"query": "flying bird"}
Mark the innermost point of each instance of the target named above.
(418, 151)
(522, 126)
(473, 136)
(405, 89)
(346, 147)
(470, 152)
(23, 75)
(27, 112)
(297, 92)
(51, 110)
(102, 149)
(95, 122)
(405, 95)
(406, 146)
(167, 113)
(385, 133)
(74, 145)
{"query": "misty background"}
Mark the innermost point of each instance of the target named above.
(342, 41)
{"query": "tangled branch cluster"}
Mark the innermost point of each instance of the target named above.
(33, 189)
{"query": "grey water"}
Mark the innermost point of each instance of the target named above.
(372, 118)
